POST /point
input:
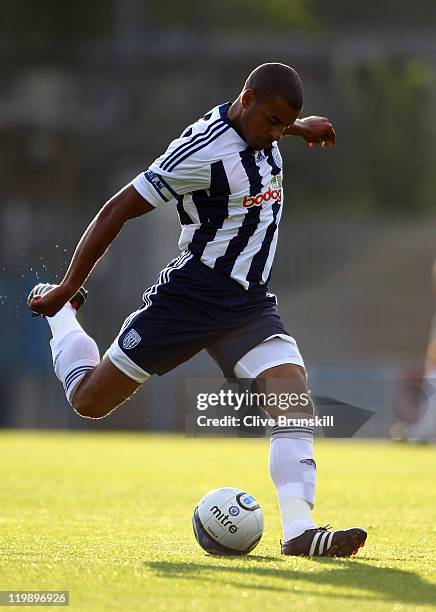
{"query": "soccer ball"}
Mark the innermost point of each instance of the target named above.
(228, 522)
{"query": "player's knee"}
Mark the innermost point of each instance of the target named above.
(91, 410)
(286, 388)
(294, 374)
(89, 406)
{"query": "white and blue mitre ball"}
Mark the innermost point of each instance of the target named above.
(228, 522)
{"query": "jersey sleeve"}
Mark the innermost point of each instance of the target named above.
(180, 170)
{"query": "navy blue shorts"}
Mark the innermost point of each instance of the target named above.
(190, 308)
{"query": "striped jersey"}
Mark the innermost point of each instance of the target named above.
(229, 197)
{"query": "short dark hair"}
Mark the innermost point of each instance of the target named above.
(274, 80)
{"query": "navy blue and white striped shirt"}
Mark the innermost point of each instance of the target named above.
(229, 197)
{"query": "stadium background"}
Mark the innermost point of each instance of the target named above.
(92, 92)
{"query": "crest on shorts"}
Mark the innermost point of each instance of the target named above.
(131, 339)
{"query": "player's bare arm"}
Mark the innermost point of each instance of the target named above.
(102, 231)
(315, 130)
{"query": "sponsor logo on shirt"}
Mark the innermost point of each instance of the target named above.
(272, 195)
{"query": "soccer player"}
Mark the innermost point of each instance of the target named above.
(225, 175)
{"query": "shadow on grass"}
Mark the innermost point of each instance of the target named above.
(379, 583)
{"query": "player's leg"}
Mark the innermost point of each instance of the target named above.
(292, 466)
(102, 389)
(149, 343)
(278, 368)
(92, 387)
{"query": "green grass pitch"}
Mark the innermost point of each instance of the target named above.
(108, 518)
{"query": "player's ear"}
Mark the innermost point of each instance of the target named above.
(248, 99)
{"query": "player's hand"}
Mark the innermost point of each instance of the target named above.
(317, 130)
(50, 303)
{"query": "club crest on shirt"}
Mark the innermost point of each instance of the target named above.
(276, 181)
(131, 339)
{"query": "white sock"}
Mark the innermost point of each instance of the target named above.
(74, 352)
(293, 471)
(296, 516)
(64, 320)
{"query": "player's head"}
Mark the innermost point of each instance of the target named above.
(271, 99)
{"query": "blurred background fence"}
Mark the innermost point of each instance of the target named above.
(91, 93)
